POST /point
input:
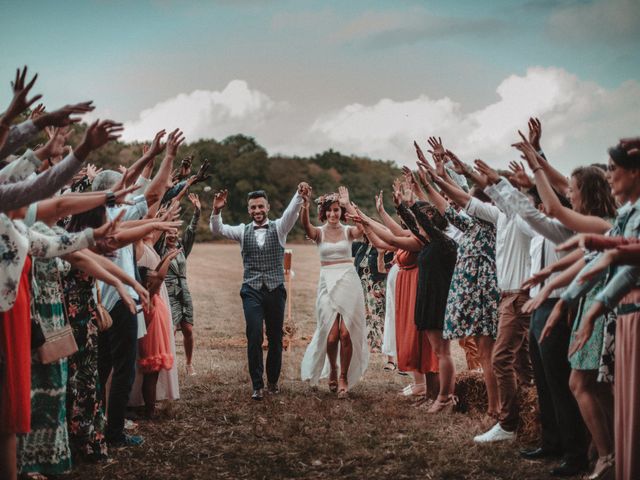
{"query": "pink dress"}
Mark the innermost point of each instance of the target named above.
(167, 388)
(154, 349)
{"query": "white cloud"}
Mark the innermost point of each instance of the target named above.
(580, 119)
(207, 113)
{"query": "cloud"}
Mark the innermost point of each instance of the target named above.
(610, 21)
(384, 29)
(580, 120)
(207, 113)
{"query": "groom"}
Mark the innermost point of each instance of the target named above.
(262, 244)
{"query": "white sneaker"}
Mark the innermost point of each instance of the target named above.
(496, 434)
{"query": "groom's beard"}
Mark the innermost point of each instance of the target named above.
(259, 218)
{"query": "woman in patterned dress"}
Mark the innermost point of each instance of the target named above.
(367, 261)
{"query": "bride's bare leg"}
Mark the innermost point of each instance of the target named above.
(332, 352)
(346, 352)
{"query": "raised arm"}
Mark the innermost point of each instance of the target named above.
(569, 217)
(290, 215)
(159, 183)
(52, 209)
(557, 179)
(129, 235)
(311, 231)
(189, 234)
(216, 225)
(16, 195)
(406, 243)
(388, 220)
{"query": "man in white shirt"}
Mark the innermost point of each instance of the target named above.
(262, 244)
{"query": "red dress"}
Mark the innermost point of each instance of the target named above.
(15, 345)
(414, 350)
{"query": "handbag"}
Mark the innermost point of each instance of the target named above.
(37, 335)
(103, 318)
(59, 343)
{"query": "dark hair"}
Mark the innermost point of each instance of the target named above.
(601, 166)
(533, 193)
(94, 218)
(622, 159)
(595, 192)
(437, 218)
(144, 273)
(324, 206)
(257, 194)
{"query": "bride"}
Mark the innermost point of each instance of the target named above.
(340, 340)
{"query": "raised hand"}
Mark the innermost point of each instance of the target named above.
(419, 153)
(92, 171)
(520, 176)
(535, 133)
(343, 196)
(54, 148)
(410, 179)
(536, 278)
(63, 116)
(157, 147)
(201, 176)
(19, 102)
(38, 111)
(484, 169)
(98, 133)
(631, 145)
(535, 302)
(407, 194)
(528, 152)
(600, 266)
(379, 203)
(577, 241)
(195, 201)
(174, 140)
(219, 201)
(587, 323)
(458, 167)
(437, 149)
(168, 226)
(185, 166)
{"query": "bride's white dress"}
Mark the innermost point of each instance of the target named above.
(339, 292)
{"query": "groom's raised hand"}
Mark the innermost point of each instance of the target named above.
(219, 201)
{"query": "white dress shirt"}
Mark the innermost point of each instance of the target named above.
(284, 225)
(513, 240)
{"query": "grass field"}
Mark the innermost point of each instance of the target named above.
(216, 431)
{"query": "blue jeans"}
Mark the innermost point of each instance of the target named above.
(268, 306)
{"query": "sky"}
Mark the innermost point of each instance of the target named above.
(361, 77)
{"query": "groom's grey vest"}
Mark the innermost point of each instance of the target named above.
(262, 266)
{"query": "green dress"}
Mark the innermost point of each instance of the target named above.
(45, 449)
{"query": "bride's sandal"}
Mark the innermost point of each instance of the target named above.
(413, 390)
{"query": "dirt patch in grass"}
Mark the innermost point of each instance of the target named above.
(216, 431)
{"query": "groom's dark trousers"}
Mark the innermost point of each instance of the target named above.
(267, 305)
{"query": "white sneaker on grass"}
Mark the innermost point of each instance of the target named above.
(496, 434)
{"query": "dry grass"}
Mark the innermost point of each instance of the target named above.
(216, 431)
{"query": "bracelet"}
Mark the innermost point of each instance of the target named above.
(536, 169)
(111, 199)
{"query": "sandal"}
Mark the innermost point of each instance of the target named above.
(390, 366)
(413, 390)
(446, 405)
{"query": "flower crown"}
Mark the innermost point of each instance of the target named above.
(327, 198)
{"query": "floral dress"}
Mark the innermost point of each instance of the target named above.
(85, 418)
(472, 305)
(45, 449)
(374, 288)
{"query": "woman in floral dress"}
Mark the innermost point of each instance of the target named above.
(472, 304)
(367, 262)
(45, 449)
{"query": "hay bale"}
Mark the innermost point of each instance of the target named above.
(472, 394)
